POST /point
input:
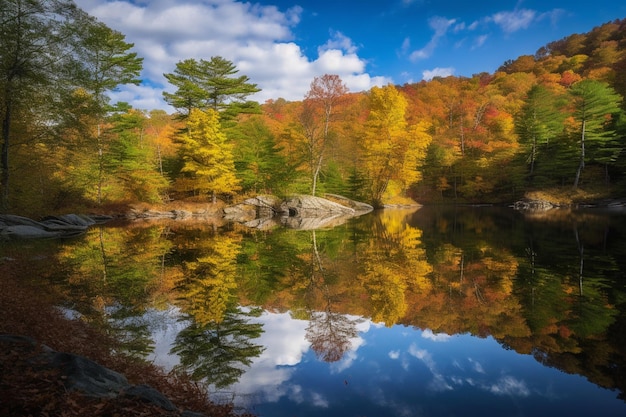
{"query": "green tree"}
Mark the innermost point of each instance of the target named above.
(538, 121)
(208, 155)
(35, 46)
(212, 85)
(594, 103)
(53, 55)
(258, 160)
(105, 63)
(130, 160)
(219, 352)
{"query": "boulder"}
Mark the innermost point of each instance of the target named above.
(84, 375)
(533, 205)
(311, 206)
(358, 206)
(259, 207)
(297, 212)
(18, 227)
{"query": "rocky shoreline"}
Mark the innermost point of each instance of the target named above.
(262, 212)
(303, 212)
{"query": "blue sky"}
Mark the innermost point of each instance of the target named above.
(282, 45)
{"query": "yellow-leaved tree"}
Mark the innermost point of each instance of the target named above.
(207, 155)
(393, 150)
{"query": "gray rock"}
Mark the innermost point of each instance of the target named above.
(18, 227)
(312, 223)
(311, 206)
(149, 394)
(259, 207)
(533, 205)
(87, 376)
(356, 205)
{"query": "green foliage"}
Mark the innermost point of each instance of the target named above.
(538, 123)
(595, 103)
(260, 165)
(131, 162)
(212, 85)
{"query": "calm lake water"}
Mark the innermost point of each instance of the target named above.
(441, 311)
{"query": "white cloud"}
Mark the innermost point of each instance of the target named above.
(436, 337)
(479, 41)
(440, 25)
(339, 41)
(438, 382)
(509, 385)
(477, 366)
(515, 20)
(428, 75)
(257, 39)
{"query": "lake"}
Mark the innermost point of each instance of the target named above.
(437, 311)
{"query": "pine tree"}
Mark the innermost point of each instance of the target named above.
(212, 85)
(594, 104)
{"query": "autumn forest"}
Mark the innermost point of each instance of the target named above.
(550, 121)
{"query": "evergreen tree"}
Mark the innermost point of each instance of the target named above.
(207, 155)
(212, 85)
(538, 122)
(594, 105)
(259, 163)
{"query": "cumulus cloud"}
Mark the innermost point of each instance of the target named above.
(258, 39)
(436, 337)
(428, 75)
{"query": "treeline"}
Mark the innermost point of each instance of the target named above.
(552, 120)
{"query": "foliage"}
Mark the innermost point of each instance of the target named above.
(485, 138)
(211, 84)
(594, 105)
(391, 150)
(207, 155)
(31, 309)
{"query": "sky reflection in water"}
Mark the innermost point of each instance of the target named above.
(398, 371)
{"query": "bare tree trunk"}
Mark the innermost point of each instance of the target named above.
(581, 164)
(4, 158)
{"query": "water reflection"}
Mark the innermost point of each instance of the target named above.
(429, 312)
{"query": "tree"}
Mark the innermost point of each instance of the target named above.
(105, 64)
(212, 85)
(318, 112)
(538, 122)
(260, 166)
(35, 46)
(392, 149)
(207, 155)
(132, 162)
(594, 103)
(51, 53)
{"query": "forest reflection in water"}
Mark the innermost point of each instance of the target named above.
(400, 312)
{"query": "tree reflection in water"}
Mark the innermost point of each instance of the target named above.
(549, 285)
(219, 352)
